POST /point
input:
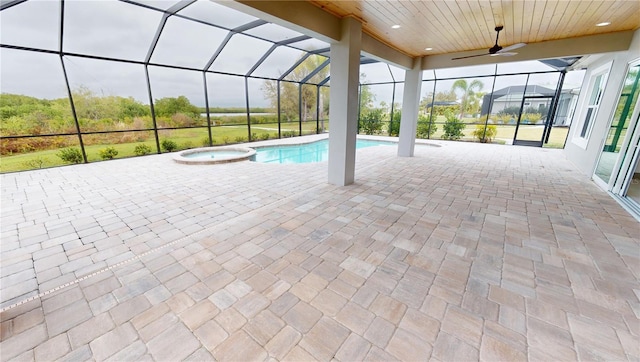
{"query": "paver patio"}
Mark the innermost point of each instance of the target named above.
(463, 252)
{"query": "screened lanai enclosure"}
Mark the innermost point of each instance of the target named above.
(85, 81)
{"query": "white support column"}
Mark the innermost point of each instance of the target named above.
(343, 112)
(410, 108)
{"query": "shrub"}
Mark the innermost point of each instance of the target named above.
(37, 162)
(511, 111)
(226, 140)
(485, 136)
(70, 155)
(204, 142)
(530, 118)
(187, 145)
(287, 134)
(108, 153)
(453, 128)
(142, 149)
(394, 125)
(371, 121)
(240, 139)
(169, 145)
(426, 127)
(254, 136)
(265, 136)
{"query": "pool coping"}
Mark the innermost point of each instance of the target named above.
(180, 156)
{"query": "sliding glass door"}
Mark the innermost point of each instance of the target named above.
(618, 168)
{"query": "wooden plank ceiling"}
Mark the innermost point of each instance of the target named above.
(456, 26)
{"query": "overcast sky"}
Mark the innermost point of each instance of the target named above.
(123, 31)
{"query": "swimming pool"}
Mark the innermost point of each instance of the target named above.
(305, 153)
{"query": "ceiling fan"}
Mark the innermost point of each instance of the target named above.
(497, 50)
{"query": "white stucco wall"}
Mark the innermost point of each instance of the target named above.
(586, 156)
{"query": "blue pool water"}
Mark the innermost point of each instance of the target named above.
(305, 153)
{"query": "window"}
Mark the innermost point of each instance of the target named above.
(597, 83)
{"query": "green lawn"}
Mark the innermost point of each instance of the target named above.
(198, 137)
(185, 138)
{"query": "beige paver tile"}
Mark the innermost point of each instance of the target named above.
(198, 314)
(551, 341)
(355, 317)
(211, 334)
(420, 325)
(261, 280)
(480, 306)
(324, 339)
(61, 299)
(276, 289)
(506, 298)
(125, 311)
(388, 308)
(180, 302)
(89, 330)
(297, 354)
(136, 351)
(328, 302)
(199, 291)
(512, 319)
(355, 348)
(282, 304)
(364, 296)
(53, 348)
(6, 329)
(27, 320)
(240, 347)
(152, 329)
(463, 325)
(304, 292)
(547, 312)
(263, 326)
(379, 332)
(230, 319)
(24, 341)
(113, 341)
(175, 343)
(378, 354)
(252, 304)
(449, 348)
(150, 315)
(280, 345)
(302, 316)
(594, 340)
(238, 288)
(406, 346)
(201, 354)
(80, 354)
(63, 319)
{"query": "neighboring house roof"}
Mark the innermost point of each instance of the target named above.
(516, 90)
(442, 103)
(519, 89)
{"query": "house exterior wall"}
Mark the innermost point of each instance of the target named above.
(585, 154)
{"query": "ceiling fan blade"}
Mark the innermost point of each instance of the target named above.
(470, 56)
(511, 47)
(506, 54)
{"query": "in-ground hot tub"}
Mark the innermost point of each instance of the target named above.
(213, 155)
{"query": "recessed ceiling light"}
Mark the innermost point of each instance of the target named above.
(604, 23)
(395, 26)
(428, 48)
